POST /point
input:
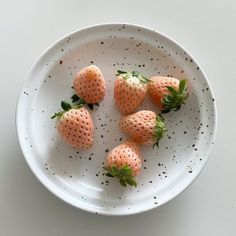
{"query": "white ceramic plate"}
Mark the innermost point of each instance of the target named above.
(77, 176)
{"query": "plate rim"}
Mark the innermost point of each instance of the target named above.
(57, 192)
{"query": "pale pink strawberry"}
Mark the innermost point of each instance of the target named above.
(90, 85)
(145, 127)
(124, 162)
(129, 90)
(75, 125)
(167, 92)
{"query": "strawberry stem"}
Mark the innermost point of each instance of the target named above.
(176, 98)
(124, 174)
(57, 114)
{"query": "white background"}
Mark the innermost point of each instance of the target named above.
(207, 29)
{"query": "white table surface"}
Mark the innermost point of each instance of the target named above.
(207, 29)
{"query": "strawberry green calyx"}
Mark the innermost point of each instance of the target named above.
(176, 97)
(124, 174)
(66, 107)
(127, 75)
(79, 101)
(160, 130)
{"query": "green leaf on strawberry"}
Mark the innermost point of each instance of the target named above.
(127, 75)
(123, 183)
(66, 107)
(75, 98)
(91, 106)
(176, 98)
(124, 175)
(160, 130)
(79, 101)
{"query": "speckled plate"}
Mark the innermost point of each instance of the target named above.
(77, 176)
